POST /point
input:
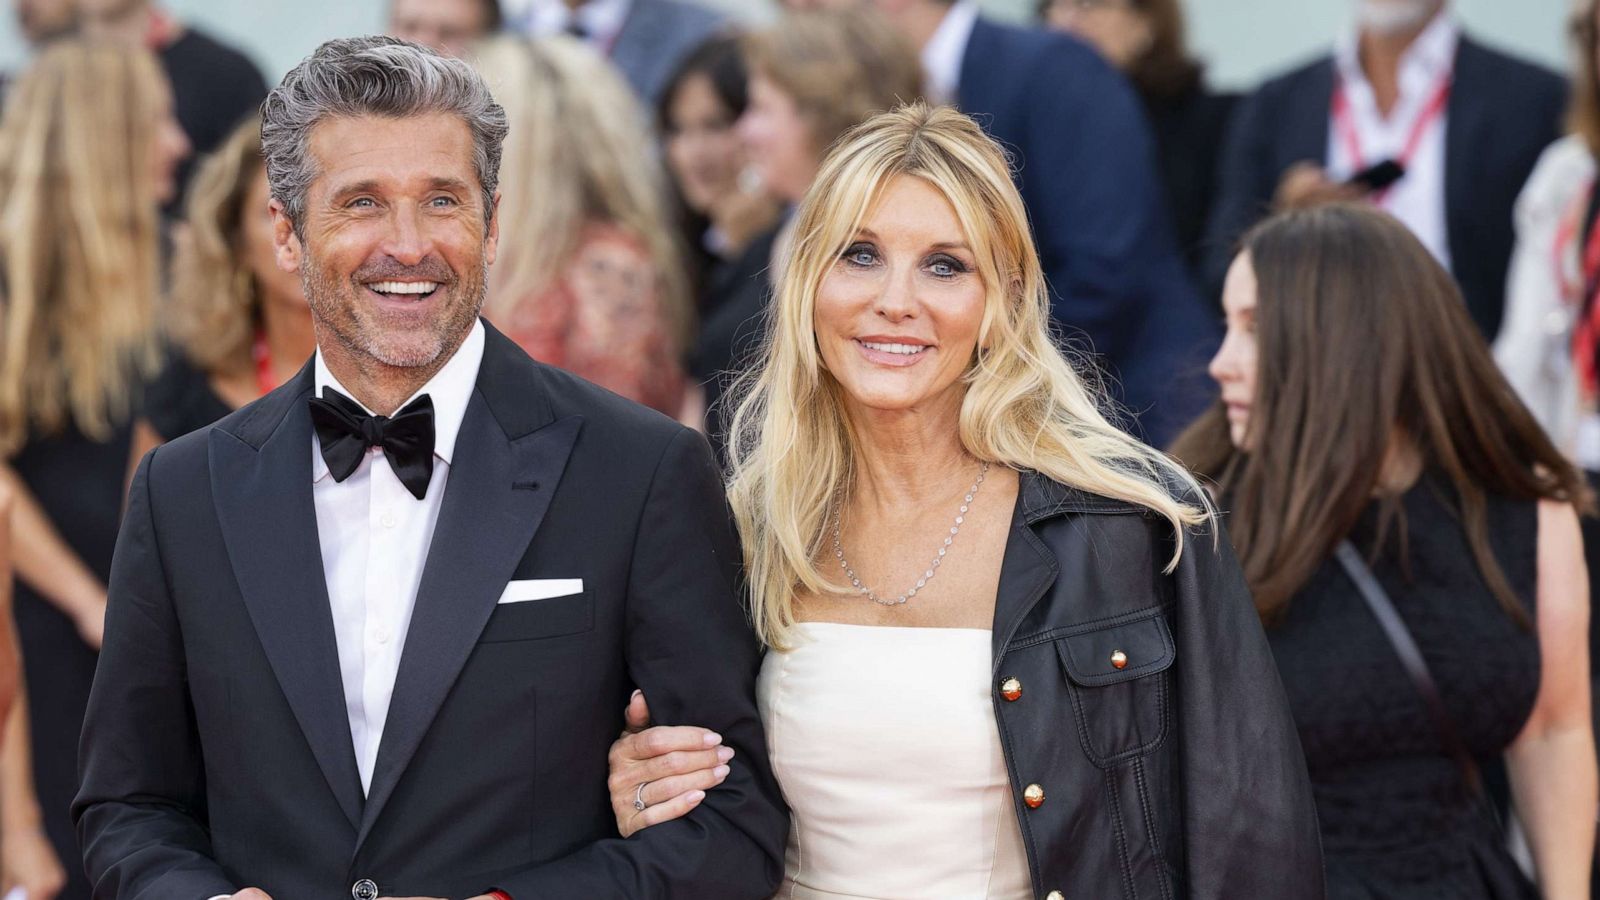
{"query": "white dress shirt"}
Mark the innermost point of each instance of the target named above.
(599, 20)
(1417, 199)
(942, 54)
(375, 536)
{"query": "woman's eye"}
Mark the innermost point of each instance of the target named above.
(861, 255)
(947, 267)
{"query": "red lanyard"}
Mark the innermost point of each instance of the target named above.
(1344, 121)
(263, 356)
(1586, 337)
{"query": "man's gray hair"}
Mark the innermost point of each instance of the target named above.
(373, 76)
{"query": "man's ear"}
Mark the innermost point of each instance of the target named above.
(491, 244)
(285, 243)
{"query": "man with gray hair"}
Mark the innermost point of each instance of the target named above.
(369, 636)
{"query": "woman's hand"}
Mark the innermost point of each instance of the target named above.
(30, 863)
(676, 766)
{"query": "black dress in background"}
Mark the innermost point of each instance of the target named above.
(1397, 820)
(181, 399)
(79, 482)
(214, 88)
(737, 293)
(1189, 130)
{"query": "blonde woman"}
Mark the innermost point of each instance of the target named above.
(88, 152)
(590, 276)
(1010, 654)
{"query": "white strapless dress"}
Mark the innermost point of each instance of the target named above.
(885, 745)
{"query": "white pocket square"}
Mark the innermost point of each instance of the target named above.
(540, 589)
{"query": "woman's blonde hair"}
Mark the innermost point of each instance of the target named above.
(212, 312)
(78, 239)
(579, 151)
(839, 66)
(1025, 406)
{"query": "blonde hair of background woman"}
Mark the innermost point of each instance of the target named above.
(579, 151)
(212, 312)
(79, 239)
(1025, 406)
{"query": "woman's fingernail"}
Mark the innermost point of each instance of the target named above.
(636, 693)
(712, 739)
(724, 754)
(696, 797)
(721, 771)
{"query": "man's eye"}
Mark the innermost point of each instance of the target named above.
(443, 202)
(363, 203)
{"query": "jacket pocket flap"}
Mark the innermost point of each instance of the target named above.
(1142, 646)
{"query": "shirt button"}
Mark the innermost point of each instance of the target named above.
(365, 889)
(388, 520)
(381, 635)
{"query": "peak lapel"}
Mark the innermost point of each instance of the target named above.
(497, 494)
(261, 479)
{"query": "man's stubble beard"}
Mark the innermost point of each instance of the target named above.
(364, 335)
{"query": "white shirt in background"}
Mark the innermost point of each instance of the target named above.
(599, 20)
(1418, 199)
(375, 535)
(942, 54)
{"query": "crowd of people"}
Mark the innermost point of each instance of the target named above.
(1135, 489)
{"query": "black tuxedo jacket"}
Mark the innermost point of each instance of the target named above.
(1501, 115)
(217, 754)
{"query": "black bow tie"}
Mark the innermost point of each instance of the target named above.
(346, 431)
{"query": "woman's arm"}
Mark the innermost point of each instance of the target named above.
(1552, 763)
(676, 766)
(45, 563)
(26, 858)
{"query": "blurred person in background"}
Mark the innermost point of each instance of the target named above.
(1404, 93)
(1364, 435)
(240, 325)
(89, 149)
(590, 275)
(1086, 166)
(813, 76)
(645, 39)
(214, 86)
(1549, 344)
(41, 21)
(448, 26)
(27, 861)
(1145, 40)
(724, 207)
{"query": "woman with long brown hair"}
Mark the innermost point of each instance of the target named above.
(1372, 459)
(240, 326)
(88, 152)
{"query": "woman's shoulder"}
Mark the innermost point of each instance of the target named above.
(1564, 168)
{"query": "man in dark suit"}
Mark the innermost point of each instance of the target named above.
(645, 39)
(1086, 169)
(369, 635)
(1466, 124)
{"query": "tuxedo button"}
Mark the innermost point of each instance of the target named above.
(388, 520)
(365, 889)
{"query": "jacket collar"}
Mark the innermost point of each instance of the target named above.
(1042, 498)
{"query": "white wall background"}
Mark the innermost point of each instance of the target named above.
(1242, 39)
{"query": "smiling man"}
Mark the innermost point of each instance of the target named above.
(367, 636)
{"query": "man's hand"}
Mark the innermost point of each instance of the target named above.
(251, 894)
(1306, 185)
(676, 766)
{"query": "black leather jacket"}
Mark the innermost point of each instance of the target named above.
(1149, 743)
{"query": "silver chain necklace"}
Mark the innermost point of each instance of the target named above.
(933, 568)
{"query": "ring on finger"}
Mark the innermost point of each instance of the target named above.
(638, 797)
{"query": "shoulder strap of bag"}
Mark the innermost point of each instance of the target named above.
(1405, 647)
